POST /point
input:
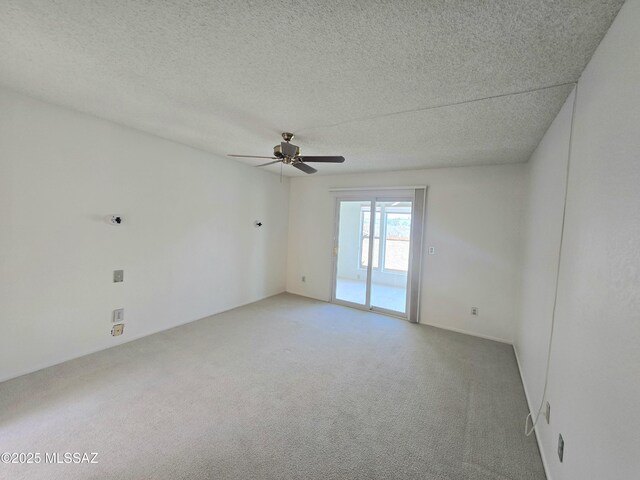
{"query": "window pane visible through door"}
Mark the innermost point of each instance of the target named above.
(396, 252)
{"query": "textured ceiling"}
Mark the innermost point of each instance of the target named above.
(368, 79)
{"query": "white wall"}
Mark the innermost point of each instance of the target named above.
(188, 245)
(547, 171)
(594, 384)
(473, 221)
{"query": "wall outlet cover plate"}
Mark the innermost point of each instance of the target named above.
(547, 412)
(560, 448)
(117, 329)
(118, 315)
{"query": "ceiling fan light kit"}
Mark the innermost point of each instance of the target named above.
(289, 154)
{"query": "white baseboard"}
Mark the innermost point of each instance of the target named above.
(467, 332)
(535, 429)
(457, 330)
(131, 339)
(306, 295)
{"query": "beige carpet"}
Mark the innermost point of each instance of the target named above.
(283, 388)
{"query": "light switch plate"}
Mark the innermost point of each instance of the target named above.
(118, 276)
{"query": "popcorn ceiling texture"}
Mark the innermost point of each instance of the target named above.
(349, 77)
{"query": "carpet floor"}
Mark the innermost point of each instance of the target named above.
(279, 389)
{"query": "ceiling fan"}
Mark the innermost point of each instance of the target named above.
(289, 154)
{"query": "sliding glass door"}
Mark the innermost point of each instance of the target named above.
(373, 253)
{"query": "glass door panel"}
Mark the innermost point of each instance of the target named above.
(352, 251)
(390, 274)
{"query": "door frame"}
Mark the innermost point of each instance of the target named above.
(373, 197)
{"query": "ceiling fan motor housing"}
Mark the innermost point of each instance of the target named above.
(286, 150)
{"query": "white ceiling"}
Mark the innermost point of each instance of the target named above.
(354, 78)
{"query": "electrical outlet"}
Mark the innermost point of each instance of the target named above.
(474, 311)
(304, 279)
(432, 250)
(117, 329)
(117, 316)
(560, 448)
(118, 276)
(547, 412)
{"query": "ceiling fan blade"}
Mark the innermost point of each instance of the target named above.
(322, 159)
(305, 168)
(248, 156)
(268, 163)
